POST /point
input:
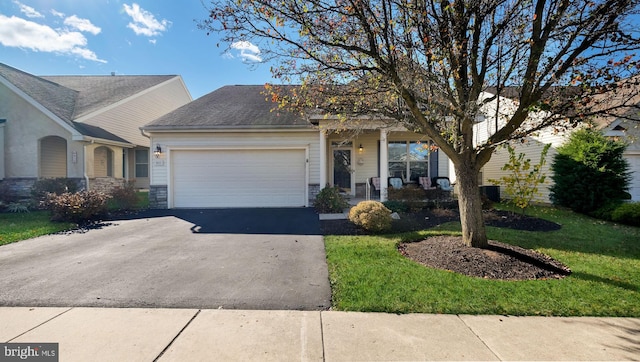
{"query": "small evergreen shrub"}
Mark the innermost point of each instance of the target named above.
(16, 207)
(124, 197)
(329, 200)
(58, 186)
(605, 212)
(627, 213)
(76, 207)
(396, 206)
(371, 215)
(589, 171)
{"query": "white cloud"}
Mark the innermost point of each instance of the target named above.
(82, 25)
(145, 23)
(21, 33)
(153, 41)
(248, 51)
(28, 11)
(54, 12)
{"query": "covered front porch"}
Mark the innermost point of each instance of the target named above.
(368, 163)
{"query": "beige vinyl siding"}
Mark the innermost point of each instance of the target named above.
(233, 140)
(533, 150)
(125, 117)
(53, 157)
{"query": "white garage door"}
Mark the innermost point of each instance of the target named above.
(238, 178)
(634, 185)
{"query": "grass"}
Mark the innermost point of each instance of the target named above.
(368, 274)
(21, 226)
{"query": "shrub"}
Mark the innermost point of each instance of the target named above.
(627, 213)
(124, 197)
(605, 212)
(41, 188)
(371, 215)
(396, 206)
(16, 207)
(412, 197)
(522, 179)
(329, 200)
(589, 171)
(76, 207)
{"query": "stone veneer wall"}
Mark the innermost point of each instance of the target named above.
(105, 184)
(21, 186)
(314, 190)
(158, 197)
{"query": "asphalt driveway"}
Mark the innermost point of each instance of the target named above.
(232, 259)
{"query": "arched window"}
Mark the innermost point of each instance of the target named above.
(53, 157)
(103, 162)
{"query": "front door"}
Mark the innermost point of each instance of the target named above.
(342, 169)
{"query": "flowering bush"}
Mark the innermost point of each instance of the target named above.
(124, 197)
(371, 215)
(76, 207)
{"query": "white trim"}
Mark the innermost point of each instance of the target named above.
(323, 159)
(168, 149)
(384, 165)
(74, 132)
(231, 129)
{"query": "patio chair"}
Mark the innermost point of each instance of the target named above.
(425, 183)
(395, 182)
(444, 184)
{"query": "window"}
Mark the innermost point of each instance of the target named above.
(409, 160)
(142, 163)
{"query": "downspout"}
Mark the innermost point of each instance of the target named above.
(84, 166)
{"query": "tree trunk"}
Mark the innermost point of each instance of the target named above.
(470, 203)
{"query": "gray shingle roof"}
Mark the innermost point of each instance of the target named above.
(71, 97)
(56, 98)
(229, 107)
(96, 92)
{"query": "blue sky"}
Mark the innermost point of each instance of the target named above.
(97, 37)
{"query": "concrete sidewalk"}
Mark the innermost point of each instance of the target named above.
(109, 334)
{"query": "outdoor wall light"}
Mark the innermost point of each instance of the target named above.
(361, 148)
(158, 151)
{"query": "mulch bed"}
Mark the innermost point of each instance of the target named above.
(498, 261)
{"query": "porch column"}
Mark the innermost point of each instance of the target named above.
(323, 159)
(384, 165)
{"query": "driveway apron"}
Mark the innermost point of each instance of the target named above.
(231, 258)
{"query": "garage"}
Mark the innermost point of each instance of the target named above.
(634, 167)
(238, 178)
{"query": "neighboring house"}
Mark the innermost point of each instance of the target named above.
(229, 148)
(532, 146)
(80, 127)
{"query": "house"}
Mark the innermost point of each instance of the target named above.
(229, 148)
(80, 127)
(621, 128)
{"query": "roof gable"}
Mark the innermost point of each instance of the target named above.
(71, 97)
(56, 98)
(229, 107)
(97, 92)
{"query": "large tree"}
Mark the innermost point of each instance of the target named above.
(434, 66)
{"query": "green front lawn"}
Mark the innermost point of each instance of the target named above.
(15, 227)
(367, 273)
